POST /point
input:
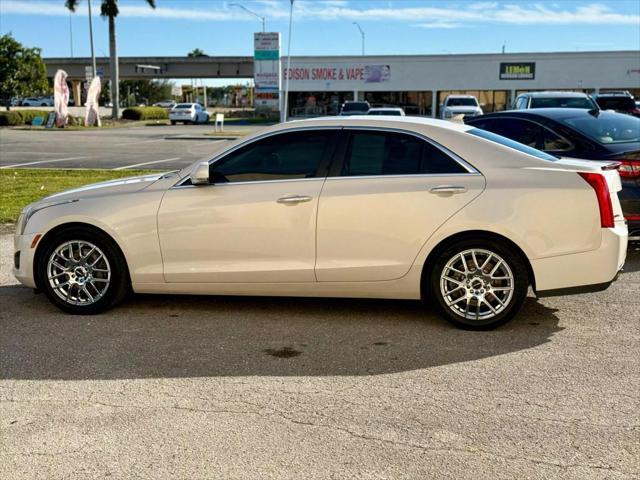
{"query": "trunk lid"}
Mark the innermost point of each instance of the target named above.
(606, 168)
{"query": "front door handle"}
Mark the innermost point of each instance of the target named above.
(448, 189)
(293, 199)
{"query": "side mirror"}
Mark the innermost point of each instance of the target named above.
(200, 174)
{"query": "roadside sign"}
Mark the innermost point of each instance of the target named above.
(51, 118)
(267, 70)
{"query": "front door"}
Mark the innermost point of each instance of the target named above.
(256, 220)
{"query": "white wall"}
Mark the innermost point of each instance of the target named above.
(476, 72)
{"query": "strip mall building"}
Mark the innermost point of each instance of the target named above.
(418, 83)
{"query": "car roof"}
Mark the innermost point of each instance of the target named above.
(378, 121)
(552, 113)
(553, 94)
(456, 95)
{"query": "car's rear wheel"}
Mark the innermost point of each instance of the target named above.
(478, 284)
(173, 122)
(82, 272)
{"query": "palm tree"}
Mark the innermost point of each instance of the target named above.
(109, 9)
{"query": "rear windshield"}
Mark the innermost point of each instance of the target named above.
(559, 102)
(462, 102)
(184, 105)
(507, 142)
(355, 106)
(616, 103)
(607, 127)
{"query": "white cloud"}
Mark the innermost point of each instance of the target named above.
(477, 13)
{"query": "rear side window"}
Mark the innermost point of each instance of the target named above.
(391, 153)
(285, 156)
(526, 132)
(507, 142)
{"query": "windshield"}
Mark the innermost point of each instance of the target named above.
(355, 106)
(385, 112)
(462, 102)
(507, 142)
(607, 127)
(616, 103)
(560, 102)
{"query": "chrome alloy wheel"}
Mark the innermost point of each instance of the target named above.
(477, 284)
(78, 272)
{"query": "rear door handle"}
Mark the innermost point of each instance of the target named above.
(448, 189)
(293, 199)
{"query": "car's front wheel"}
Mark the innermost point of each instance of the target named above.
(82, 272)
(478, 284)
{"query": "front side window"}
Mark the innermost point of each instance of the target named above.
(285, 156)
(391, 153)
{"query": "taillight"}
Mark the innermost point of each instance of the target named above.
(599, 184)
(629, 168)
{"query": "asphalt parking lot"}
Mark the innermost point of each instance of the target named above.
(222, 387)
(159, 147)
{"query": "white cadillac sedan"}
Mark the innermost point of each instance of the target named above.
(380, 207)
(188, 113)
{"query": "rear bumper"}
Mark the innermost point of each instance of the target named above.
(583, 272)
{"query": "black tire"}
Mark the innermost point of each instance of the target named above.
(119, 286)
(173, 122)
(515, 263)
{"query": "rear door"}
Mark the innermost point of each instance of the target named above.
(385, 196)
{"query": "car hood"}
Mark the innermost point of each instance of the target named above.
(110, 187)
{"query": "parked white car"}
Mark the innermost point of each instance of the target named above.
(361, 206)
(465, 105)
(188, 113)
(37, 102)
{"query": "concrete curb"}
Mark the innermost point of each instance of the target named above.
(195, 137)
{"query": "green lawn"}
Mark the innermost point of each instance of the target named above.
(21, 186)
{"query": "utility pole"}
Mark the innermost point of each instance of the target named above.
(286, 83)
(93, 55)
(70, 34)
(362, 34)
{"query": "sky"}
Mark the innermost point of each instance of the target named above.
(326, 27)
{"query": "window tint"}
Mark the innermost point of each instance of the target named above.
(387, 153)
(519, 130)
(511, 144)
(278, 157)
(606, 127)
(616, 103)
(553, 142)
(562, 102)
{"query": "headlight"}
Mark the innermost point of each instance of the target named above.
(447, 114)
(30, 210)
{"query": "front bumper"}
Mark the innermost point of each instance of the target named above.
(23, 259)
(586, 271)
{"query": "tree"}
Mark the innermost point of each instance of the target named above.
(146, 91)
(109, 9)
(22, 71)
(196, 52)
